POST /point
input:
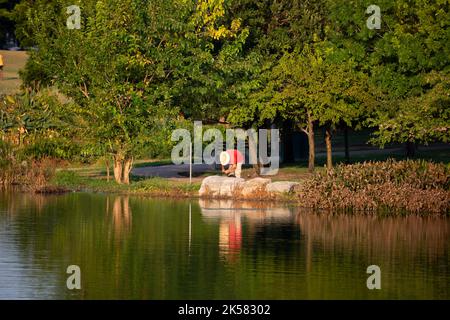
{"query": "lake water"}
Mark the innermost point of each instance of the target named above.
(141, 248)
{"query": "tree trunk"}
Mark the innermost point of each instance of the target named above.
(312, 149)
(118, 168)
(347, 148)
(107, 169)
(288, 143)
(127, 166)
(329, 153)
(253, 144)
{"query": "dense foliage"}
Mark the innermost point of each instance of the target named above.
(133, 67)
(135, 70)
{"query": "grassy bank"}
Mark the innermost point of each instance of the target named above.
(73, 181)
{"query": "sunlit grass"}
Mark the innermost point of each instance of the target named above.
(156, 186)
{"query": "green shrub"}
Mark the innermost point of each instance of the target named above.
(66, 178)
(55, 148)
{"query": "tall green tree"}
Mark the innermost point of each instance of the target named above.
(320, 85)
(407, 61)
(277, 30)
(133, 65)
(38, 124)
(413, 69)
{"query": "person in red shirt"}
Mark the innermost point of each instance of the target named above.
(233, 159)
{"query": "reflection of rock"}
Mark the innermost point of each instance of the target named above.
(228, 209)
(225, 187)
(253, 186)
(282, 187)
(217, 186)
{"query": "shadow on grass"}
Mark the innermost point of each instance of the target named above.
(163, 162)
(442, 156)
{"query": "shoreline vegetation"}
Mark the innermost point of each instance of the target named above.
(396, 187)
(408, 186)
(130, 86)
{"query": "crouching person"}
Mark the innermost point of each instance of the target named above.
(231, 160)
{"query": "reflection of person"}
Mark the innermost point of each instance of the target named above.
(230, 236)
(233, 159)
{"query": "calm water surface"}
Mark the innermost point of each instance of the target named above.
(140, 248)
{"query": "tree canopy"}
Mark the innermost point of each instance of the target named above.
(135, 69)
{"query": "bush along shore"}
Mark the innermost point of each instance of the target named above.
(31, 175)
(397, 187)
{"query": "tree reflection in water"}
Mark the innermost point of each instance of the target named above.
(121, 217)
(146, 248)
(377, 236)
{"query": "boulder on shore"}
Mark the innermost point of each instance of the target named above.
(218, 186)
(227, 187)
(281, 187)
(253, 186)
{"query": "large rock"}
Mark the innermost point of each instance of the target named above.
(253, 186)
(218, 186)
(225, 187)
(282, 187)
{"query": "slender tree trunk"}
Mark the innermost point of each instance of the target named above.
(347, 148)
(312, 148)
(288, 142)
(118, 168)
(107, 169)
(127, 166)
(253, 144)
(329, 153)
